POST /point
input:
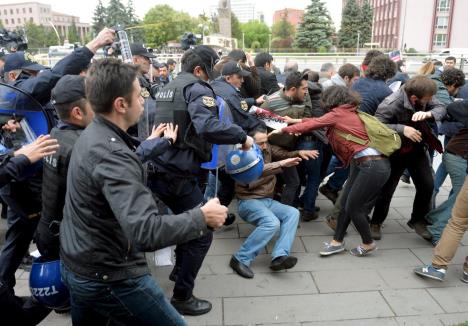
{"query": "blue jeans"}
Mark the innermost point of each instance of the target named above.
(440, 176)
(269, 216)
(456, 168)
(340, 174)
(312, 171)
(134, 301)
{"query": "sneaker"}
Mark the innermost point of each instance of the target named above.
(464, 277)
(376, 232)
(430, 271)
(329, 193)
(360, 251)
(308, 216)
(328, 249)
(404, 178)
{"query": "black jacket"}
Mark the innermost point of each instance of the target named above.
(110, 217)
(11, 167)
(237, 104)
(268, 82)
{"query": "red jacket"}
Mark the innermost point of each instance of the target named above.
(343, 118)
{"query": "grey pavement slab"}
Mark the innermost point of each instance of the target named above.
(425, 254)
(358, 322)
(411, 302)
(319, 307)
(348, 281)
(454, 300)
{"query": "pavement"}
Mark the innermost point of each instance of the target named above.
(340, 290)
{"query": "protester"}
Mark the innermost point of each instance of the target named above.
(268, 81)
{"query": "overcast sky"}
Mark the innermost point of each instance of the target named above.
(84, 8)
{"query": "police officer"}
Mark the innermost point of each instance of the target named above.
(228, 87)
(188, 101)
(24, 196)
(74, 112)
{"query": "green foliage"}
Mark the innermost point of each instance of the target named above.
(255, 31)
(40, 36)
(99, 17)
(355, 20)
(367, 15)
(236, 31)
(413, 50)
(316, 28)
(73, 35)
(162, 24)
(116, 13)
(255, 45)
(283, 29)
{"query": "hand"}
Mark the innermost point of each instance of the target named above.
(105, 37)
(157, 131)
(247, 145)
(421, 115)
(215, 213)
(308, 154)
(290, 162)
(413, 134)
(260, 100)
(250, 61)
(290, 120)
(38, 149)
(11, 126)
(171, 132)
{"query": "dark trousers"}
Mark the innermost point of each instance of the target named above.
(15, 311)
(418, 165)
(291, 186)
(227, 188)
(17, 239)
(311, 173)
(361, 190)
(134, 301)
(180, 195)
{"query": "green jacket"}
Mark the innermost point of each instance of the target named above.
(442, 93)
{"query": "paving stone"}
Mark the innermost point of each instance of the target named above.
(426, 254)
(305, 308)
(455, 300)
(358, 322)
(393, 226)
(419, 321)
(319, 228)
(393, 214)
(227, 232)
(348, 281)
(54, 319)
(297, 246)
(453, 319)
(225, 246)
(405, 211)
(402, 240)
(233, 285)
(411, 302)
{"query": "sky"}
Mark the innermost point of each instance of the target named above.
(84, 8)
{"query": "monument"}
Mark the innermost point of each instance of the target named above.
(224, 18)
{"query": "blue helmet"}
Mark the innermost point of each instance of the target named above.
(46, 284)
(245, 166)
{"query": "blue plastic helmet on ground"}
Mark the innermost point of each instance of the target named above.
(245, 166)
(46, 284)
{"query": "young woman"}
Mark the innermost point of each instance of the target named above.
(369, 168)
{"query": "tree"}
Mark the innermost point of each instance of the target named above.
(39, 36)
(163, 23)
(255, 31)
(350, 25)
(73, 35)
(116, 13)
(283, 33)
(99, 18)
(316, 28)
(236, 31)
(367, 16)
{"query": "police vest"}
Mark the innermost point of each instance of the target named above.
(172, 107)
(55, 174)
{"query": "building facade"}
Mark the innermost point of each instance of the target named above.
(294, 16)
(244, 10)
(16, 15)
(424, 25)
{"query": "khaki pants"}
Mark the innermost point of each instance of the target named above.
(454, 231)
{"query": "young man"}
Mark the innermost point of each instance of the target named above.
(110, 217)
(405, 111)
(450, 62)
(264, 63)
(347, 75)
(257, 206)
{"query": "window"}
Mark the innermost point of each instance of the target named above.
(6, 21)
(440, 40)
(31, 19)
(30, 10)
(24, 10)
(17, 10)
(11, 11)
(5, 12)
(443, 5)
(442, 22)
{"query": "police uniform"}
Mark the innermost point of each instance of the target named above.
(68, 89)
(189, 103)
